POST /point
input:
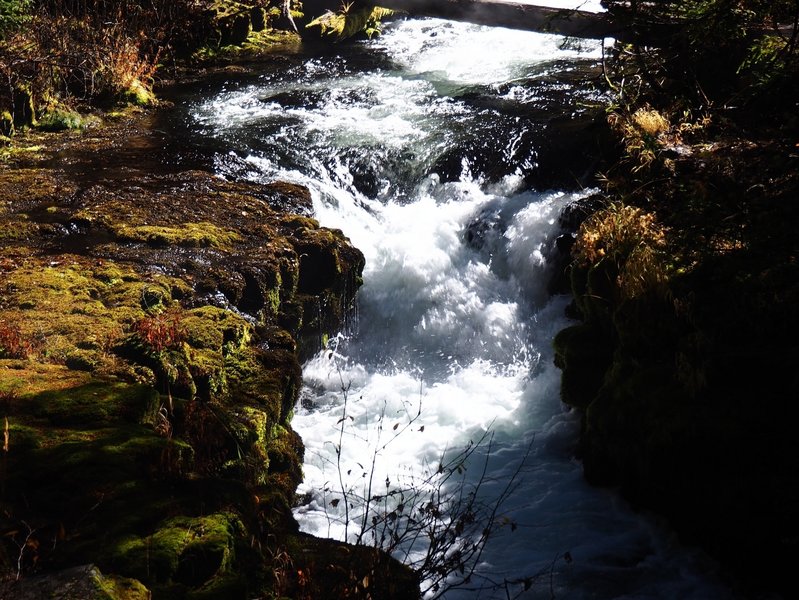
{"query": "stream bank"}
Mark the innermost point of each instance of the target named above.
(151, 324)
(683, 367)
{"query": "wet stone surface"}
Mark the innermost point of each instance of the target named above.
(151, 320)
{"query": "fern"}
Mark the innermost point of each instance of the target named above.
(347, 22)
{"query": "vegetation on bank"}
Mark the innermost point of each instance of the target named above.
(148, 372)
(164, 408)
(687, 282)
(59, 59)
(149, 359)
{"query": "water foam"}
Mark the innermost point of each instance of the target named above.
(455, 322)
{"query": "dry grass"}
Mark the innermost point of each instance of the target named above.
(650, 122)
(632, 240)
(643, 133)
(74, 53)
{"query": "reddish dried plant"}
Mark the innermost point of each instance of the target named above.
(13, 343)
(164, 331)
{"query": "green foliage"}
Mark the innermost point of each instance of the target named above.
(721, 19)
(715, 51)
(13, 13)
(348, 22)
(764, 64)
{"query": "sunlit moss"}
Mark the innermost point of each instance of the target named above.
(61, 118)
(188, 234)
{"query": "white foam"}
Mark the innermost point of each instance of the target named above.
(455, 332)
(447, 52)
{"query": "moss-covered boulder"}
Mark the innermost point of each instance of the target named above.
(150, 335)
(86, 582)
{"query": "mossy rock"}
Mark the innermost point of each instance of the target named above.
(85, 582)
(92, 406)
(116, 446)
(7, 128)
(594, 292)
(195, 235)
(138, 94)
(647, 328)
(584, 354)
(60, 119)
(83, 359)
(210, 327)
(186, 550)
(342, 571)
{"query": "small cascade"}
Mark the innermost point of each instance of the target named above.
(424, 146)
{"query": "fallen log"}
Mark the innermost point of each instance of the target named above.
(517, 15)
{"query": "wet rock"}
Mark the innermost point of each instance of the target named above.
(155, 368)
(574, 213)
(235, 29)
(582, 353)
(258, 18)
(86, 582)
(481, 230)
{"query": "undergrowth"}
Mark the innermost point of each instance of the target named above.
(633, 243)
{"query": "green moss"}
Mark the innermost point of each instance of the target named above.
(299, 222)
(205, 235)
(187, 550)
(115, 587)
(84, 582)
(285, 452)
(258, 43)
(22, 437)
(272, 299)
(346, 22)
(60, 119)
(138, 94)
(6, 124)
(207, 369)
(83, 360)
(94, 405)
(17, 228)
(94, 485)
(18, 377)
(213, 328)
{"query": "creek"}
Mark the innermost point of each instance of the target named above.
(432, 147)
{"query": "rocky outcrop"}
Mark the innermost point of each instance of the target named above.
(683, 364)
(149, 365)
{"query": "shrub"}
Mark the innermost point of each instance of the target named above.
(59, 119)
(714, 52)
(350, 21)
(642, 133)
(13, 13)
(630, 241)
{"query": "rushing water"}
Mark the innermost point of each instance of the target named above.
(421, 145)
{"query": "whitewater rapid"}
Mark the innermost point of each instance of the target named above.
(414, 146)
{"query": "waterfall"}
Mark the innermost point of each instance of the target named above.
(421, 145)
